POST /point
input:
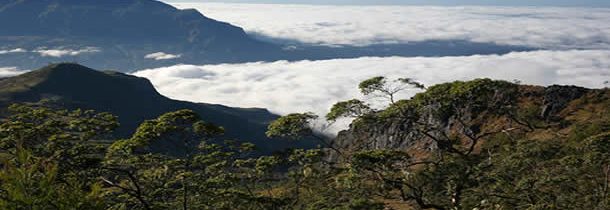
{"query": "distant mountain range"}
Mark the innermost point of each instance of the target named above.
(129, 35)
(123, 31)
(132, 99)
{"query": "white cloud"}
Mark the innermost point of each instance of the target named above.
(162, 56)
(61, 52)
(10, 71)
(286, 87)
(16, 50)
(540, 27)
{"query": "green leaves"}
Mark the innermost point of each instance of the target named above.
(379, 157)
(372, 85)
(352, 108)
(53, 158)
(292, 126)
(34, 127)
(380, 87)
(177, 160)
(172, 133)
(562, 173)
(35, 183)
(208, 129)
(412, 82)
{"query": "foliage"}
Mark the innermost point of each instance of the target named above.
(352, 108)
(514, 172)
(380, 87)
(292, 126)
(371, 85)
(479, 95)
(481, 150)
(176, 159)
(549, 175)
(29, 182)
(57, 151)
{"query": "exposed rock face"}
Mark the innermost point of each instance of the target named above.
(379, 136)
(557, 97)
(491, 110)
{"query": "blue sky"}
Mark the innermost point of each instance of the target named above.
(578, 3)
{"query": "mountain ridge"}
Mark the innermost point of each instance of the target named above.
(132, 99)
(122, 33)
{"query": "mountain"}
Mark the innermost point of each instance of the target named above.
(122, 31)
(129, 35)
(485, 110)
(490, 144)
(131, 98)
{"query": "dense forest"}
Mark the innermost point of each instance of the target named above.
(480, 144)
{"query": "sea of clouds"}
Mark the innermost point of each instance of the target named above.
(573, 43)
(286, 87)
(539, 27)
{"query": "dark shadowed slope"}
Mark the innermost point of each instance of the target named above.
(131, 98)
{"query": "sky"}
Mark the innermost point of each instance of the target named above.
(570, 3)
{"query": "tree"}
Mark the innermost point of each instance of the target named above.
(298, 126)
(29, 182)
(376, 86)
(176, 161)
(554, 174)
(146, 160)
(69, 137)
(442, 179)
(292, 126)
(348, 109)
(51, 157)
(379, 87)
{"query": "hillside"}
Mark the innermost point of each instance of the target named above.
(481, 107)
(480, 144)
(131, 98)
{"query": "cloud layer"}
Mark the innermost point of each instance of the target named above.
(61, 52)
(10, 51)
(10, 71)
(540, 27)
(286, 87)
(162, 56)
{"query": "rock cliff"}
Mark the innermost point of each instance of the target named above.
(462, 112)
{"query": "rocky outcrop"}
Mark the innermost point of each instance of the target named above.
(500, 108)
(557, 97)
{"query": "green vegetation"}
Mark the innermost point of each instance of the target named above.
(132, 99)
(480, 144)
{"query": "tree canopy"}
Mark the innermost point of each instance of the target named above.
(481, 144)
